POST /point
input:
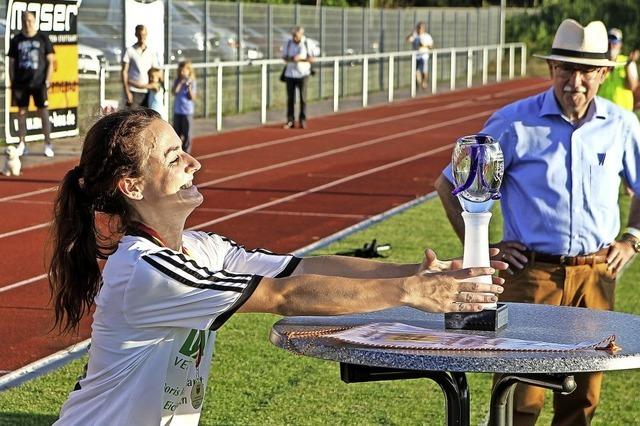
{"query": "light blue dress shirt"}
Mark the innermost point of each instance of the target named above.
(560, 187)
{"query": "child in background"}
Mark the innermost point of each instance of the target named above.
(184, 89)
(155, 95)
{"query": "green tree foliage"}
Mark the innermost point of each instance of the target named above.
(538, 27)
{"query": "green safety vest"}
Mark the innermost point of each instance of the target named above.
(613, 87)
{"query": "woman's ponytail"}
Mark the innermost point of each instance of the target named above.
(74, 273)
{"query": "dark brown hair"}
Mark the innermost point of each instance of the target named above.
(113, 148)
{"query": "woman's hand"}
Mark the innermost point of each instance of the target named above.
(447, 292)
(431, 263)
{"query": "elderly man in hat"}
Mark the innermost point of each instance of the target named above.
(622, 80)
(565, 151)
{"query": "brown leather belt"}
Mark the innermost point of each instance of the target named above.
(588, 259)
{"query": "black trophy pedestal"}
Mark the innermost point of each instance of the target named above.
(487, 320)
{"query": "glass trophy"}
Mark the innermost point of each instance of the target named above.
(477, 165)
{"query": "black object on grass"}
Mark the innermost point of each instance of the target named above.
(368, 250)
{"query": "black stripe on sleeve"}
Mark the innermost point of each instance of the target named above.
(179, 278)
(169, 258)
(291, 266)
(255, 250)
(223, 317)
(185, 259)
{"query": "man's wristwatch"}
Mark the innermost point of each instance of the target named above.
(633, 240)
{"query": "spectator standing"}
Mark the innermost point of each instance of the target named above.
(136, 62)
(299, 54)
(622, 80)
(31, 57)
(565, 151)
(422, 42)
(184, 89)
(155, 96)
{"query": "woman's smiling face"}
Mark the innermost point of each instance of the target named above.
(167, 181)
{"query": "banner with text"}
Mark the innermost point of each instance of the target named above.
(58, 20)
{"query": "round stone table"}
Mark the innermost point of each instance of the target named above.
(544, 323)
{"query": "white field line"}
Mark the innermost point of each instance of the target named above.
(311, 190)
(300, 194)
(286, 213)
(377, 121)
(44, 365)
(324, 132)
(23, 282)
(60, 358)
(305, 159)
(28, 194)
(324, 186)
(346, 148)
(27, 229)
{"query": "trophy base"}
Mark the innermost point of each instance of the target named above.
(487, 320)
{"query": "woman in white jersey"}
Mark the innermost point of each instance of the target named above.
(164, 291)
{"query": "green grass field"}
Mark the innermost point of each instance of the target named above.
(253, 382)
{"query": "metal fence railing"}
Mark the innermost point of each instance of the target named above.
(476, 66)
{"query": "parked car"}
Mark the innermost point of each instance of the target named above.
(89, 61)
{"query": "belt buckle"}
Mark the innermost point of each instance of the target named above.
(563, 259)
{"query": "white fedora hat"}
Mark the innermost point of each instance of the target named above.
(581, 45)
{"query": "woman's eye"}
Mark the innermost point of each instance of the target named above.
(174, 162)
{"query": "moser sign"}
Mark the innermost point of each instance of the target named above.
(57, 19)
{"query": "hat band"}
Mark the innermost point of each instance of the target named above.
(577, 54)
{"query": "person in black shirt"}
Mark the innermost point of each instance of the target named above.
(31, 58)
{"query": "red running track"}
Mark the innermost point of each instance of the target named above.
(264, 187)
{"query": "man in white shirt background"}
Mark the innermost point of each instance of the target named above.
(299, 54)
(136, 62)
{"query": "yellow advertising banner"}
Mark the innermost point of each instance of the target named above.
(56, 19)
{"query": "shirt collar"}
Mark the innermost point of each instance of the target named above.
(550, 106)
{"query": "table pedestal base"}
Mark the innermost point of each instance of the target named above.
(456, 390)
(454, 386)
(501, 413)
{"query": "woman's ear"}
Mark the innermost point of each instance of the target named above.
(131, 188)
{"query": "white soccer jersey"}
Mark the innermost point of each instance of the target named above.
(155, 318)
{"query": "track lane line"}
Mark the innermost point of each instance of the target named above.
(412, 114)
(346, 148)
(323, 186)
(23, 282)
(287, 163)
(23, 230)
(312, 190)
(308, 158)
(455, 104)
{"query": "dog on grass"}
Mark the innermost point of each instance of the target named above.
(12, 164)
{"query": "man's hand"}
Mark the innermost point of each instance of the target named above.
(431, 263)
(512, 253)
(448, 292)
(620, 253)
(129, 98)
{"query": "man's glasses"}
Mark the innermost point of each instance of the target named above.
(566, 70)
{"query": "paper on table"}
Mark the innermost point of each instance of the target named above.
(399, 335)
